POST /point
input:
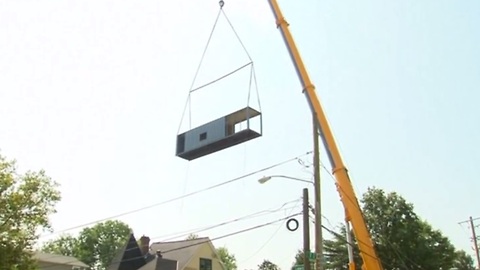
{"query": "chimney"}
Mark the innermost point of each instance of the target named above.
(144, 244)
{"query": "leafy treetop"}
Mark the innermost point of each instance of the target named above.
(95, 246)
(228, 259)
(26, 202)
(402, 239)
(268, 265)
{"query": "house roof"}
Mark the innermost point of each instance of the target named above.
(181, 251)
(175, 255)
(58, 259)
(129, 256)
(157, 263)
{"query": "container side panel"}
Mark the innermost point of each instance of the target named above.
(180, 143)
(205, 135)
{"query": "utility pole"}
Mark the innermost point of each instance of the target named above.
(474, 235)
(474, 238)
(318, 200)
(306, 231)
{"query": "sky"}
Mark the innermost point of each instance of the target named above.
(94, 92)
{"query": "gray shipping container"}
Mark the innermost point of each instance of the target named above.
(217, 135)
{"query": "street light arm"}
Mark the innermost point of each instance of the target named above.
(267, 178)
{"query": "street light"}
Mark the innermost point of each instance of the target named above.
(267, 178)
(318, 224)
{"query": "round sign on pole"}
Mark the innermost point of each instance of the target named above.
(295, 224)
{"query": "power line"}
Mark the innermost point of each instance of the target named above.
(178, 197)
(270, 238)
(202, 242)
(343, 238)
(223, 223)
(254, 215)
(396, 250)
(235, 233)
(468, 220)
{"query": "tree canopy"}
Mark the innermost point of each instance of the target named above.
(464, 261)
(228, 259)
(26, 202)
(403, 240)
(268, 265)
(300, 259)
(336, 250)
(192, 236)
(95, 246)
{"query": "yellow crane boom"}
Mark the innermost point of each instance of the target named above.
(344, 186)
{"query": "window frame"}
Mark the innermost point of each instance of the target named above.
(205, 263)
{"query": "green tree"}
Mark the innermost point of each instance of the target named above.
(336, 251)
(268, 265)
(192, 236)
(228, 259)
(299, 257)
(95, 246)
(464, 261)
(65, 245)
(402, 239)
(26, 201)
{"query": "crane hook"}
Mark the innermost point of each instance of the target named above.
(221, 3)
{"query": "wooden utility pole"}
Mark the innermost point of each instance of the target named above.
(306, 231)
(318, 200)
(474, 238)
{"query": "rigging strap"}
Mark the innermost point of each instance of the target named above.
(222, 77)
(188, 103)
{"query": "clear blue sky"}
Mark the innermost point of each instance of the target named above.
(93, 92)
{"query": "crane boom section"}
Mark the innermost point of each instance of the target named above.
(343, 183)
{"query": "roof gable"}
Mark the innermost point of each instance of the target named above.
(182, 251)
(128, 256)
(214, 251)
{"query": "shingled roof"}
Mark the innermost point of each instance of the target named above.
(157, 263)
(128, 256)
(131, 257)
(58, 259)
(181, 251)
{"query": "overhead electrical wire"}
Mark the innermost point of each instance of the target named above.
(395, 249)
(202, 242)
(223, 236)
(341, 237)
(178, 197)
(249, 216)
(236, 232)
(344, 239)
(271, 237)
(338, 235)
(223, 223)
